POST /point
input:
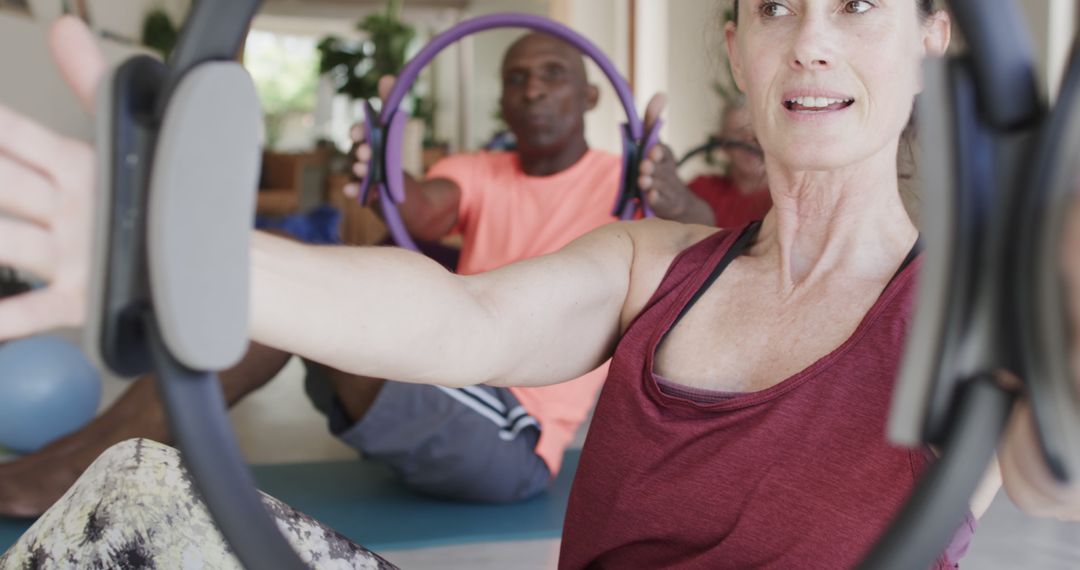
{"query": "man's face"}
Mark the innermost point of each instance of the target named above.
(544, 93)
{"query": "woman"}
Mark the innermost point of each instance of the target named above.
(742, 423)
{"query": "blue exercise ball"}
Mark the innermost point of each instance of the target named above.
(48, 389)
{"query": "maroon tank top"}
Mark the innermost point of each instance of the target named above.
(798, 475)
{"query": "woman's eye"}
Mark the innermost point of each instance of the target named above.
(774, 9)
(857, 7)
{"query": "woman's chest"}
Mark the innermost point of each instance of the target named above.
(741, 337)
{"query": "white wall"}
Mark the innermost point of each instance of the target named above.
(484, 52)
(1052, 24)
(30, 82)
(698, 58)
(653, 51)
(606, 24)
(124, 19)
(678, 47)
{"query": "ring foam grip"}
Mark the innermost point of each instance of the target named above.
(395, 174)
(385, 174)
(1003, 58)
(373, 136)
(955, 164)
(392, 189)
(201, 211)
(118, 288)
(631, 199)
(631, 163)
(968, 337)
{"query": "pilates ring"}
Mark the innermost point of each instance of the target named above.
(993, 160)
(384, 132)
(1041, 292)
(714, 143)
(153, 125)
(168, 293)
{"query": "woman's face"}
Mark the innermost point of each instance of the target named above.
(831, 82)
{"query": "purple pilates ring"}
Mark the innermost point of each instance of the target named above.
(384, 132)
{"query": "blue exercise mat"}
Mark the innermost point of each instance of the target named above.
(11, 530)
(364, 502)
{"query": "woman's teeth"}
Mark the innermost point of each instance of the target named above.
(817, 103)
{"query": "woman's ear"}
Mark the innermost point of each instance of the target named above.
(937, 34)
(592, 96)
(733, 54)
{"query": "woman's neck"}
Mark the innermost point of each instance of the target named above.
(850, 221)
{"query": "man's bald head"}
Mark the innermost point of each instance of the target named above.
(535, 43)
(545, 94)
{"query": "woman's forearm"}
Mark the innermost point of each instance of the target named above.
(377, 311)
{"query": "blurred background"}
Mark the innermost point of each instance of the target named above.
(315, 61)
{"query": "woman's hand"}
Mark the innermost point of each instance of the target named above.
(47, 198)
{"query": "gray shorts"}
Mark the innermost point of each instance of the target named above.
(472, 444)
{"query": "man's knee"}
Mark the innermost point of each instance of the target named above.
(354, 395)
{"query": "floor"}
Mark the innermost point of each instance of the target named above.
(278, 424)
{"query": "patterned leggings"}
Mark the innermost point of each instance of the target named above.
(136, 507)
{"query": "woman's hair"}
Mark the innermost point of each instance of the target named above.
(926, 8)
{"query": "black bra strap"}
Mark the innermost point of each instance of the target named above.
(916, 249)
(742, 243)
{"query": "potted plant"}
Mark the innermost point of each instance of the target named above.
(159, 33)
(355, 67)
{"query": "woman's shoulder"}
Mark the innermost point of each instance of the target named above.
(658, 242)
(656, 245)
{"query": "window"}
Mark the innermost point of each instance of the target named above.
(285, 69)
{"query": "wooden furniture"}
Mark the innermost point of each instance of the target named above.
(292, 182)
(360, 225)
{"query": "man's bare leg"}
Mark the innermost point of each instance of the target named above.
(31, 484)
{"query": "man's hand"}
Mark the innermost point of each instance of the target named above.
(361, 153)
(430, 210)
(659, 179)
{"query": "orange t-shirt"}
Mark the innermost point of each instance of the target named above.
(507, 216)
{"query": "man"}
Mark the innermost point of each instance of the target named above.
(476, 443)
